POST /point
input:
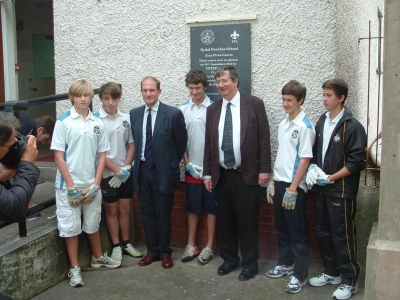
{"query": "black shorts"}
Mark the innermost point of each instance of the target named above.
(111, 195)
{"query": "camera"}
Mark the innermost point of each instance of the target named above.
(15, 152)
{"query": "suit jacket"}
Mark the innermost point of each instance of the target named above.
(169, 140)
(255, 148)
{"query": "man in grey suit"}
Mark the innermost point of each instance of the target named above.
(160, 137)
(237, 162)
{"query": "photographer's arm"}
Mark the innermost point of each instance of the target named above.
(14, 201)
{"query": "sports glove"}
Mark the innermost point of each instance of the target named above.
(289, 200)
(312, 175)
(121, 177)
(194, 170)
(270, 192)
(90, 193)
(323, 178)
(74, 196)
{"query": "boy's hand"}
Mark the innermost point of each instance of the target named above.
(74, 196)
(323, 178)
(194, 170)
(289, 200)
(270, 192)
(124, 173)
(90, 193)
(312, 175)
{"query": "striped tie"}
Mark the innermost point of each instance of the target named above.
(227, 139)
(149, 149)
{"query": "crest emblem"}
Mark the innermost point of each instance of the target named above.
(96, 130)
(235, 35)
(125, 124)
(295, 134)
(337, 138)
(207, 37)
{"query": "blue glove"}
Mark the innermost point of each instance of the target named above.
(123, 174)
(194, 170)
(90, 193)
(74, 196)
(289, 200)
(323, 178)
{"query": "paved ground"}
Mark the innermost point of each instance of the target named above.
(184, 281)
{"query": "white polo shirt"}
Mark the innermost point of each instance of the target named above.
(195, 119)
(119, 134)
(80, 140)
(329, 126)
(295, 141)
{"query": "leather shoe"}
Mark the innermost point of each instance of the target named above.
(148, 259)
(225, 269)
(246, 274)
(167, 262)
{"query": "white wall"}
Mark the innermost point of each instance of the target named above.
(123, 41)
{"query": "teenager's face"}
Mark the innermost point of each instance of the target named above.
(197, 91)
(110, 105)
(42, 138)
(82, 102)
(291, 105)
(226, 86)
(331, 101)
(150, 93)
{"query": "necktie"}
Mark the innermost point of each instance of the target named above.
(149, 148)
(227, 139)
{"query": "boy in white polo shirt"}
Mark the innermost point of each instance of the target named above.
(117, 183)
(80, 144)
(194, 112)
(288, 190)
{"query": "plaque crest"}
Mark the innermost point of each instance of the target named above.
(207, 37)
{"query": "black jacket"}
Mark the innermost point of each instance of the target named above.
(347, 147)
(14, 199)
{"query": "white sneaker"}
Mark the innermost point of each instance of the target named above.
(280, 271)
(116, 253)
(132, 251)
(295, 285)
(190, 253)
(76, 278)
(104, 261)
(205, 256)
(324, 279)
(345, 291)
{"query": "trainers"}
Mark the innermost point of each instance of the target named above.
(205, 256)
(116, 253)
(295, 285)
(190, 253)
(324, 279)
(104, 261)
(345, 291)
(76, 278)
(132, 251)
(280, 271)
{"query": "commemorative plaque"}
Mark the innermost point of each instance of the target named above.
(215, 46)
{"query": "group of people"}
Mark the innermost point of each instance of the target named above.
(225, 145)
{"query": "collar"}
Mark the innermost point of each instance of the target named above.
(235, 101)
(335, 120)
(74, 113)
(103, 114)
(298, 118)
(206, 102)
(154, 108)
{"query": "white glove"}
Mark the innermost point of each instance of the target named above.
(74, 196)
(323, 178)
(115, 182)
(312, 175)
(194, 170)
(270, 192)
(289, 200)
(90, 193)
(117, 179)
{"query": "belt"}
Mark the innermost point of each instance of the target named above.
(237, 169)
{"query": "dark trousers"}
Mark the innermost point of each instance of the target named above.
(238, 205)
(292, 229)
(336, 236)
(155, 211)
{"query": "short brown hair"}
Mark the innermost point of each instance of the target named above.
(295, 88)
(158, 84)
(112, 89)
(47, 123)
(195, 77)
(338, 86)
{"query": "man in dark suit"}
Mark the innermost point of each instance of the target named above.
(160, 137)
(237, 162)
